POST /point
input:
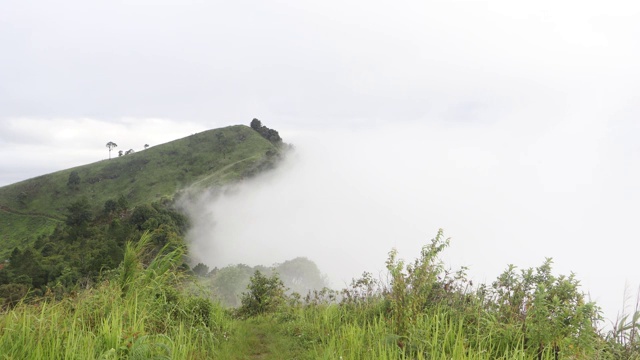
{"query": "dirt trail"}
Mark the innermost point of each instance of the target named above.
(262, 339)
(259, 340)
(36, 214)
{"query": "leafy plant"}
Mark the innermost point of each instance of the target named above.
(265, 295)
(550, 310)
(414, 286)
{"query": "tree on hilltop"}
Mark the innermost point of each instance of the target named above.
(256, 124)
(269, 134)
(111, 145)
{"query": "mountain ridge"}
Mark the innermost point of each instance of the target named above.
(35, 206)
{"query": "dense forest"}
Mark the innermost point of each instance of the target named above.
(85, 246)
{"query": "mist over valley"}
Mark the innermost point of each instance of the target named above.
(505, 195)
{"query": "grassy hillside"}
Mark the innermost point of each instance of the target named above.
(32, 207)
(17, 229)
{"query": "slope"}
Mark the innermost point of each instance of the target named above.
(35, 206)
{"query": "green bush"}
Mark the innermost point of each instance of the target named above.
(266, 295)
(550, 310)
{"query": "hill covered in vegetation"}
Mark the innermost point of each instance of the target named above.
(35, 207)
(59, 232)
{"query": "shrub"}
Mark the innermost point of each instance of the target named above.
(550, 310)
(413, 286)
(11, 294)
(266, 295)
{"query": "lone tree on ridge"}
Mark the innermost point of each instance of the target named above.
(111, 145)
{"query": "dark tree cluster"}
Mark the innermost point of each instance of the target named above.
(269, 134)
(87, 244)
(74, 180)
(200, 269)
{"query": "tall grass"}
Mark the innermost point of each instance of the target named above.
(340, 332)
(137, 313)
(147, 310)
(428, 312)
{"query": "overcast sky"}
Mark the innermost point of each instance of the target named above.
(514, 125)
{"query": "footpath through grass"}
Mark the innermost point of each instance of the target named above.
(262, 338)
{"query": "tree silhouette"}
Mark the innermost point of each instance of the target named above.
(111, 145)
(256, 124)
(201, 269)
(269, 134)
(146, 146)
(79, 213)
(74, 180)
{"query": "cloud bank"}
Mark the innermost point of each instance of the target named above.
(505, 194)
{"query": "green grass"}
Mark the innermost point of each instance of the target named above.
(138, 312)
(349, 333)
(18, 229)
(427, 312)
(148, 309)
(263, 337)
(143, 177)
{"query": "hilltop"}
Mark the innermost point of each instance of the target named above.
(34, 207)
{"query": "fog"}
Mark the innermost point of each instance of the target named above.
(511, 125)
(505, 192)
